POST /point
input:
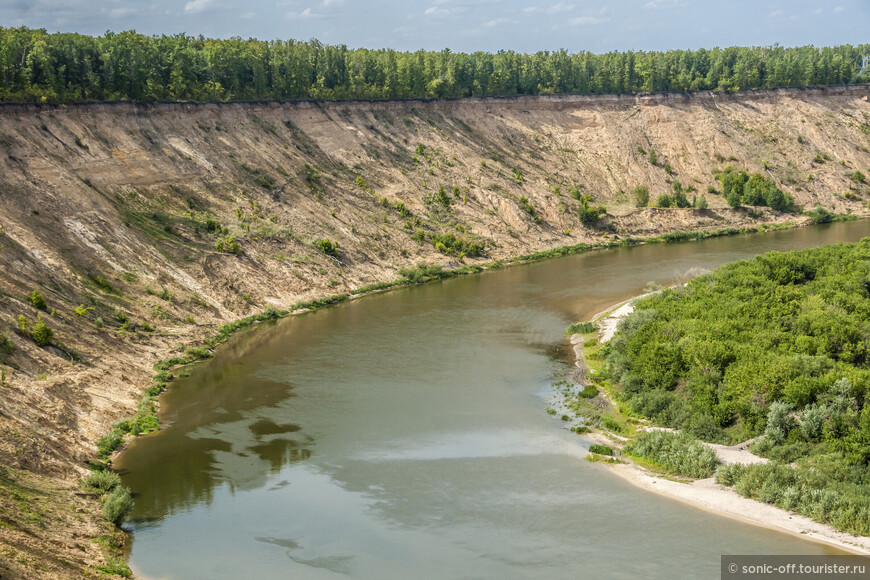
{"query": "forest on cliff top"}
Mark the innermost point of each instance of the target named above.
(65, 67)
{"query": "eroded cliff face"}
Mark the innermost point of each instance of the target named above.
(127, 212)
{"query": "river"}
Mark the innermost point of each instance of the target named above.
(405, 434)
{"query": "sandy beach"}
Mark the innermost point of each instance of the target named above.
(706, 493)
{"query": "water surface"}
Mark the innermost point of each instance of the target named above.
(405, 434)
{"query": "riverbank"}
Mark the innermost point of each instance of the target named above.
(136, 233)
(705, 493)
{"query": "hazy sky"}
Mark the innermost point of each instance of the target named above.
(469, 25)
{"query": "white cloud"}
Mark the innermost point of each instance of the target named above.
(248, 15)
(559, 8)
(664, 4)
(301, 15)
(435, 11)
(838, 9)
(197, 6)
(328, 3)
(530, 9)
(497, 22)
(587, 21)
(122, 12)
(776, 14)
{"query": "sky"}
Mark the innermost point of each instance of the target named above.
(468, 25)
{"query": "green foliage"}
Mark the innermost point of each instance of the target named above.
(819, 487)
(589, 215)
(228, 245)
(527, 207)
(739, 187)
(42, 333)
(653, 158)
(115, 566)
(132, 66)
(641, 195)
(700, 203)
(677, 453)
(857, 177)
(442, 198)
(422, 273)
(611, 424)
(103, 284)
(820, 215)
(582, 328)
(80, 310)
(774, 345)
(448, 243)
(679, 198)
(588, 392)
(779, 422)
(784, 326)
(109, 442)
(103, 481)
(38, 300)
(600, 449)
(117, 505)
(327, 247)
(664, 200)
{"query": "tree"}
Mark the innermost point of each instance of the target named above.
(664, 200)
(38, 300)
(641, 195)
(589, 215)
(42, 333)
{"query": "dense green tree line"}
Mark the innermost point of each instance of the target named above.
(37, 66)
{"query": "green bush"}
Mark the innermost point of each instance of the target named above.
(227, 245)
(327, 247)
(42, 333)
(779, 422)
(664, 200)
(820, 215)
(38, 300)
(527, 207)
(587, 214)
(6, 344)
(610, 424)
(588, 392)
(600, 449)
(422, 273)
(109, 442)
(103, 481)
(116, 566)
(676, 452)
(448, 243)
(582, 328)
(641, 195)
(729, 474)
(117, 505)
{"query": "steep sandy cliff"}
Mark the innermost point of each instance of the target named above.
(127, 212)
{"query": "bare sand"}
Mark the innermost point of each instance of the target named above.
(706, 493)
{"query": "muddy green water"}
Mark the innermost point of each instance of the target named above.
(404, 435)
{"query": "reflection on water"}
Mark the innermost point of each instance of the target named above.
(405, 433)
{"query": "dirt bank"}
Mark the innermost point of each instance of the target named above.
(144, 227)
